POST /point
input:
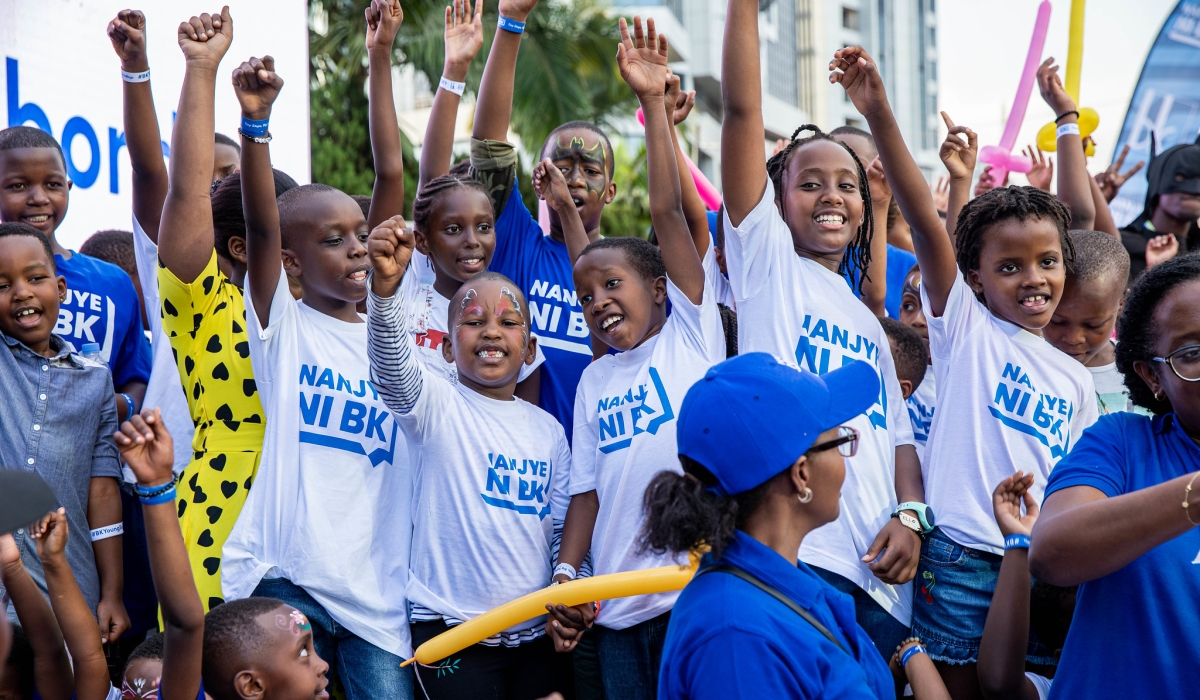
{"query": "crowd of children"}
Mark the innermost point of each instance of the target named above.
(302, 438)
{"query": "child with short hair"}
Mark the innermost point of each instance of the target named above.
(922, 402)
(1083, 321)
(909, 353)
(626, 404)
(58, 419)
(794, 225)
(334, 487)
(1013, 399)
(227, 156)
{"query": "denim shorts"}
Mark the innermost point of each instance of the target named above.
(952, 594)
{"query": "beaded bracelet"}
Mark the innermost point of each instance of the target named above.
(1067, 113)
(151, 491)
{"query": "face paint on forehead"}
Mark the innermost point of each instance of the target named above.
(508, 294)
(139, 689)
(577, 144)
(295, 622)
(470, 296)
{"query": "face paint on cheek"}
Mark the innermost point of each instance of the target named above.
(507, 294)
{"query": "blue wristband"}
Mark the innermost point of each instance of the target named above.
(510, 25)
(130, 406)
(1016, 542)
(164, 497)
(255, 128)
(911, 652)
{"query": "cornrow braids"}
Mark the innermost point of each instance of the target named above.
(423, 205)
(1136, 331)
(858, 253)
(1000, 204)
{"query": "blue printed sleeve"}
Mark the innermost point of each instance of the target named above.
(1098, 459)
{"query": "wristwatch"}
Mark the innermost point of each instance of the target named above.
(926, 521)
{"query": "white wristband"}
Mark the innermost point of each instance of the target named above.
(136, 77)
(565, 568)
(1064, 129)
(451, 86)
(103, 533)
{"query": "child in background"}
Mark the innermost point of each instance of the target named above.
(116, 247)
(334, 487)
(257, 647)
(57, 420)
(143, 668)
(1014, 400)
(910, 354)
(101, 305)
(540, 264)
(1083, 322)
(620, 444)
(489, 471)
(793, 226)
(1016, 609)
(923, 401)
(227, 157)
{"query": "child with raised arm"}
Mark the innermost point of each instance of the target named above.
(256, 647)
(1014, 400)
(333, 488)
(626, 404)
(489, 474)
(793, 224)
(540, 265)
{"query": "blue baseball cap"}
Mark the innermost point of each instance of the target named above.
(751, 417)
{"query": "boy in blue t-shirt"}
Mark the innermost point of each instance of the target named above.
(101, 305)
(538, 263)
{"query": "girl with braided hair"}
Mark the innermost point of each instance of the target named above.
(793, 225)
(1007, 399)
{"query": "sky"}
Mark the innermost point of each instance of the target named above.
(981, 51)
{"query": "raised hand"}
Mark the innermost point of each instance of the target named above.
(464, 34)
(147, 448)
(1051, 87)
(384, 18)
(877, 180)
(257, 85)
(987, 181)
(853, 69)
(551, 186)
(1042, 172)
(959, 150)
(1111, 179)
(50, 534)
(205, 39)
(128, 36)
(10, 553)
(681, 106)
(642, 59)
(941, 193)
(1161, 249)
(390, 247)
(517, 9)
(1006, 503)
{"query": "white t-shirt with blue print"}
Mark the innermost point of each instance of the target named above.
(807, 316)
(1007, 400)
(329, 509)
(625, 417)
(921, 406)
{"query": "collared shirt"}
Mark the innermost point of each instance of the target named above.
(58, 419)
(728, 639)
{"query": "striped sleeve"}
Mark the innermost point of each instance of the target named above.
(395, 370)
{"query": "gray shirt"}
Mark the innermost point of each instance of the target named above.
(57, 419)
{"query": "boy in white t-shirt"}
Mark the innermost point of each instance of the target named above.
(326, 527)
(626, 404)
(794, 225)
(922, 402)
(1007, 399)
(489, 469)
(1083, 322)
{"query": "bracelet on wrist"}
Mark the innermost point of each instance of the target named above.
(1016, 541)
(130, 406)
(167, 496)
(147, 491)
(510, 25)
(1187, 494)
(1066, 129)
(136, 77)
(103, 533)
(252, 128)
(452, 86)
(1066, 114)
(911, 652)
(566, 570)
(257, 139)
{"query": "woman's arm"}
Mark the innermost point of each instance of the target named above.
(464, 38)
(743, 163)
(387, 197)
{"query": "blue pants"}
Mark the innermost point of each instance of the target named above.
(884, 630)
(630, 658)
(365, 671)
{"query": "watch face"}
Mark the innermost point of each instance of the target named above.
(910, 522)
(929, 517)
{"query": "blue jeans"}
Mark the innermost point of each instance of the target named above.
(365, 671)
(885, 631)
(630, 658)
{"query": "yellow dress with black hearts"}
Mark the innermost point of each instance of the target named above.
(205, 322)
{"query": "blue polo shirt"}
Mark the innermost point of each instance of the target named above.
(1144, 618)
(541, 267)
(728, 639)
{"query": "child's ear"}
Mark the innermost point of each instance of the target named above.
(447, 347)
(248, 685)
(610, 192)
(660, 290)
(237, 248)
(975, 283)
(905, 388)
(531, 350)
(421, 243)
(62, 289)
(291, 264)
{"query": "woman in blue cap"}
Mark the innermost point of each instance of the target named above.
(763, 451)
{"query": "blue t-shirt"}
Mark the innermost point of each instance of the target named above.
(728, 639)
(899, 262)
(200, 696)
(541, 267)
(1145, 617)
(102, 307)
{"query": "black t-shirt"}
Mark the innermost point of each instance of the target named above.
(1135, 236)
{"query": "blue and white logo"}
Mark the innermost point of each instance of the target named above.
(1047, 419)
(332, 415)
(518, 484)
(827, 346)
(643, 409)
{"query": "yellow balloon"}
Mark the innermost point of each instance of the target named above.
(1089, 119)
(585, 590)
(1047, 138)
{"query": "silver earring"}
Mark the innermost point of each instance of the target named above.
(1159, 396)
(808, 494)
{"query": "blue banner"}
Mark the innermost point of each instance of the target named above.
(1166, 103)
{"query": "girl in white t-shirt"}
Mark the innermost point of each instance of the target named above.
(793, 225)
(626, 404)
(1007, 399)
